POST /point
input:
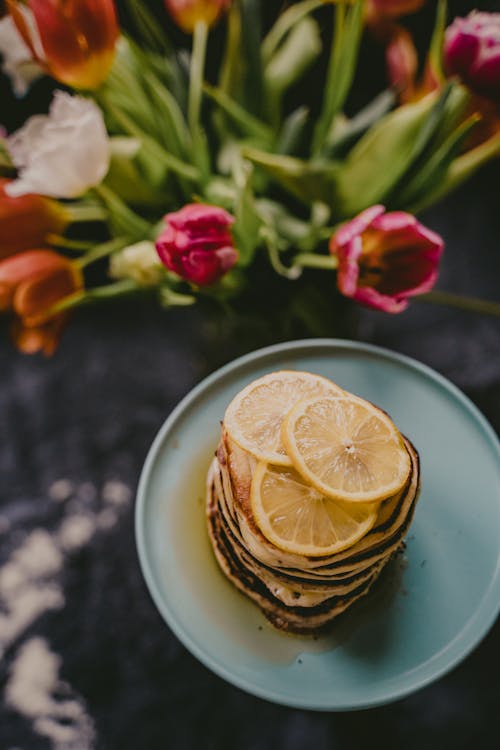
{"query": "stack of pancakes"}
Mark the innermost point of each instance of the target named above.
(297, 593)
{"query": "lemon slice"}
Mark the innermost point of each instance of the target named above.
(254, 417)
(347, 448)
(297, 518)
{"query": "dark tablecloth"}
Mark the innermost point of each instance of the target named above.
(88, 662)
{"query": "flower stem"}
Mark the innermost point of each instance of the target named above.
(122, 219)
(85, 212)
(471, 304)
(57, 240)
(313, 260)
(196, 74)
(101, 251)
(108, 291)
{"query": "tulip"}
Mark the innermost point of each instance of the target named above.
(401, 59)
(196, 243)
(472, 52)
(26, 221)
(385, 258)
(31, 283)
(393, 8)
(74, 40)
(61, 154)
(187, 13)
(402, 64)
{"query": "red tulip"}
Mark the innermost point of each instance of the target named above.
(385, 258)
(77, 38)
(26, 221)
(187, 13)
(472, 52)
(196, 243)
(31, 283)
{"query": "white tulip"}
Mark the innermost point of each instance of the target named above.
(18, 63)
(61, 154)
(139, 262)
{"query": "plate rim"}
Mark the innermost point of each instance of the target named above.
(479, 623)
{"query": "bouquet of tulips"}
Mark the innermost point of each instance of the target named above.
(185, 163)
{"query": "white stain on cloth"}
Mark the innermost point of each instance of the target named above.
(30, 586)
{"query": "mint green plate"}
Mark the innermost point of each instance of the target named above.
(431, 607)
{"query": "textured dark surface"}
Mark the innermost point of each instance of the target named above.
(89, 415)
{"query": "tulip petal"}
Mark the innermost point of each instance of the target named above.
(385, 258)
(78, 38)
(61, 154)
(196, 243)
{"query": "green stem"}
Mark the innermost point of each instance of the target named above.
(196, 75)
(85, 212)
(57, 240)
(122, 219)
(98, 293)
(313, 260)
(102, 251)
(471, 304)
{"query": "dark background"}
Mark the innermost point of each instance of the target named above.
(89, 414)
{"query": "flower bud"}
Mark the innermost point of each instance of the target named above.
(472, 52)
(61, 154)
(138, 262)
(26, 221)
(187, 13)
(196, 243)
(393, 8)
(74, 40)
(31, 283)
(385, 258)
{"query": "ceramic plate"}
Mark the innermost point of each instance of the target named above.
(433, 605)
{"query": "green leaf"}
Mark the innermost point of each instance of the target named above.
(122, 219)
(342, 66)
(434, 169)
(284, 24)
(157, 154)
(247, 221)
(307, 181)
(171, 123)
(253, 79)
(347, 132)
(382, 156)
(292, 131)
(150, 30)
(460, 170)
(201, 153)
(300, 49)
(436, 47)
(124, 175)
(247, 124)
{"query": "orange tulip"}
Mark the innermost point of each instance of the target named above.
(78, 37)
(26, 221)
(31, 283)
(393, 8)
(187, 13)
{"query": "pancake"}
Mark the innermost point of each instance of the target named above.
(293, 619)
(297, 593)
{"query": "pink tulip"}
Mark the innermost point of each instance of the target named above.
(197, 244)
(385, 258)
(472, 52)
